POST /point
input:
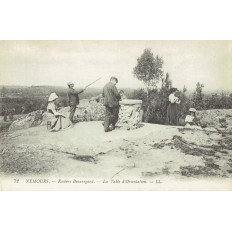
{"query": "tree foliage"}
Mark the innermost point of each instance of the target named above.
(198, 96)
(149, 69)
(155, 108)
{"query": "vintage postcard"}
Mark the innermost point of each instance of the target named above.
(115, 115)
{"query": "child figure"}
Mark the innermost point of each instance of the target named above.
(122, 94)
(191, 119)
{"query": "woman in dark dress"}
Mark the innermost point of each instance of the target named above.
(172, 112)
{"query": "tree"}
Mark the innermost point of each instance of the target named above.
(183, 96)
(198, 96)
(161, 100)
(155, 110)
(167, 82)
(149, 70)
(186, 102)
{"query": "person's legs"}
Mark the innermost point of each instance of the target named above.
(108, 118)
(72, 112)
(115, 116)
(168, 114)
(60, 122)
(176, 115)
(172, 114)
(54, 122)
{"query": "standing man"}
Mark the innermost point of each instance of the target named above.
(73, 100)
(112, 97)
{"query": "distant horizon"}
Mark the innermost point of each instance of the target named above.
(65, 87)
(56, 62)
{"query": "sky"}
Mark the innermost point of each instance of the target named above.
(58, 62)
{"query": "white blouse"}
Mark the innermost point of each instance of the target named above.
(51, 106)
(173, 98)
(189, 118)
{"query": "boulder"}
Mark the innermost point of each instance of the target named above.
(32, 119)
(220, 119)
(90, 111)
(86, 111)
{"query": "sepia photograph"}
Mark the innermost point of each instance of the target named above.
(115, 115)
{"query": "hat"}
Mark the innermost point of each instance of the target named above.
(192, 110)
(70, 83)
(52, 97)
(114, 78)
(172, 90)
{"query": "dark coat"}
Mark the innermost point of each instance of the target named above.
(111, 95)
(73, 97)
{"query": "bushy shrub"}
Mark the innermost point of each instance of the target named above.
(155, 108)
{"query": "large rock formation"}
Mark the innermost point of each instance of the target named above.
(220, 119)
(86, 111)
(32, 119)
(90, 111)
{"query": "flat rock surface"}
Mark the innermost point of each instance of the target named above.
(87, 151)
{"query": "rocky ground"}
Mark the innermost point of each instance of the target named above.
(151, 151)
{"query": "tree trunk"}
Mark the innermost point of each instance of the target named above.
(147, 89)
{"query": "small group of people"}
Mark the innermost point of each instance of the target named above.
(173, 111)
(58, 120)
(111, 101)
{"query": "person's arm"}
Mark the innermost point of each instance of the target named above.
(174, 99)
(52, 108)
(54, 111)
(80, 90)
(116, 93)
(188, 119)
(75, 92)
(178, 100)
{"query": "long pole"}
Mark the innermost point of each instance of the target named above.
(92, 82)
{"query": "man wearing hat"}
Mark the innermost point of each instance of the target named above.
(112, 97)
(73, 96)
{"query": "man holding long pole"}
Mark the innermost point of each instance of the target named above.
(74, 100)
(73, 97)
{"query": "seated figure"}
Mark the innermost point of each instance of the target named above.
(57, 120)
(191, 119)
